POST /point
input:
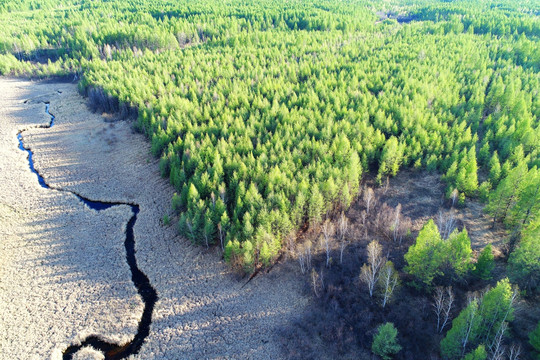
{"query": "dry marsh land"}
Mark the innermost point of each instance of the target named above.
(63, 271)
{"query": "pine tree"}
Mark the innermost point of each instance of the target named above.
(477, 354)
(524, 261)
(422, 261)
(485, 264)
(465, 330)
(534, 340)
(458, 253)
(385, 342)
(494, 169)
(316, 206)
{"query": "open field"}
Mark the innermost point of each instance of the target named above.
(63, 269)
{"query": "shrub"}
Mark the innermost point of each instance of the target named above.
(384, 342)
(485, 264)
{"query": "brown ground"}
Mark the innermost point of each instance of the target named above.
(421, 195)
(63, 273)
(342, 320)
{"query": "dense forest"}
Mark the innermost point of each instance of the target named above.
(267, 116)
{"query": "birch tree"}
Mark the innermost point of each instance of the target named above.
(443, 300)
(369, 198)
(388, 281)
(396, 223)
(343, 226)
(327, 230)
(369, 273)
(464, 330)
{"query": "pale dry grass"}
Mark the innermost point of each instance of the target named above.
(64, 270)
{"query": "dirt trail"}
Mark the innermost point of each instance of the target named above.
(63, 274)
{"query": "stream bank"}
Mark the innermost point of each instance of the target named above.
(63, 270)
(140, 280)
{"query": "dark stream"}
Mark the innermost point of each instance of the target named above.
(144, 288)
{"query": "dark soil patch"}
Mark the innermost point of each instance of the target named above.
(343, 318)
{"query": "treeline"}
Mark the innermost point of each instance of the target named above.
(265, 115)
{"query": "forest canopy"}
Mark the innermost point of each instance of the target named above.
(265, 115)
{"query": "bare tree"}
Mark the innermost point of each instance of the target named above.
(364, 227)
(107, 51)
(515, 351)
(327, 229)
(207, 236)
(384, 220)
(454, 197)
(438, 304)
(370, 271)
(369, 197)
(498, 350)
(343, 226)
(405, 225)
(17, 49)
(303, 253)
(443, 299)
(302, 259)
(513, 298)
(377, 219)
(213, 198)
(317, 282)
(396, 224)
(221, 235)
(308, 246)
(222, 193)
(447, 307)
(189, 225)
(470, 323)
(446, 223)
(291, 245)
(388, 281)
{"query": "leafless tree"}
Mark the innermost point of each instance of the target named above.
(107, 51)
(384, 220)
(388, 281)
(206, 238)
(443, 299)
(515, 351)
(377, 220)
(343, 226)
(447, 307)
(454, 197)
(222, 193)
(369, 197)
(328, 230)
(397, 222)
(364, 227)
(513, 298)
(317, 282)
(302, 259)
(370, 271)
(438, 304)
(189, 225)
(405, 225)
(17, 49)
(470, 322)
(291, 245)
(221, 235)
(303, 253)
(364, 216)
(498, 350)
(446, 223)
(308, 246)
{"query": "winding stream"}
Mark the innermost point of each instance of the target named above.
(144, 288)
